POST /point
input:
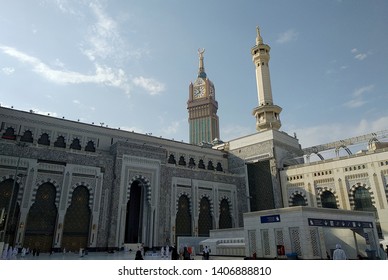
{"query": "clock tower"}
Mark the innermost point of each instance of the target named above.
(202, 107)
(267, 113)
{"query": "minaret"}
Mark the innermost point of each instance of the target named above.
(267, 114)
(202, 107)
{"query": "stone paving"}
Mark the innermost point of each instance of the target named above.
(107, 256)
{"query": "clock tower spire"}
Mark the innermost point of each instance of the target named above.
(267, 113)
(202, 107)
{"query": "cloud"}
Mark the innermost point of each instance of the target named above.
(358, 55)
(172, 128)
(103, 74)
(8, 70)
(232, 131)
(103, 39)
(150, 85)
(288, 36)
(358, 97)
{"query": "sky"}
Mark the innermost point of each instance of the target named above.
(128, 63)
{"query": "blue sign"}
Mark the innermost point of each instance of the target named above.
(270, 219)
(339, 223)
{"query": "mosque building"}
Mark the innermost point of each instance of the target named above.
(68, 185)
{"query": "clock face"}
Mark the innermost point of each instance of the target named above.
(211, 91)
(199, 92)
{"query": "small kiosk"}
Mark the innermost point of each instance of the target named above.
(302, 232)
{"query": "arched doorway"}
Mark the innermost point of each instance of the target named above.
(41, 219)
(205, 221)
(77, 221)
(183, 217)
(138, 215)
(9, 188)
(225, 220)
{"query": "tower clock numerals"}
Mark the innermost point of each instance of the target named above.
(199, 92)
(212, 91)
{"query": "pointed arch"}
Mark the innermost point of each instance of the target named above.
(327, 198)
(205, 217)
(183, 221)
(225, 218)
(9, 190)
(41, 219)
(77, 220)
(90, 196)
(361, 197)
(138, 213)
(298, 198)
(145, 182)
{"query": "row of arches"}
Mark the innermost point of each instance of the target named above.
(360, 198)
(183, 221)
(192, 164)
(44, 139)
(41, 223)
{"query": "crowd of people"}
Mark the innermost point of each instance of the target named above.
(11, 253)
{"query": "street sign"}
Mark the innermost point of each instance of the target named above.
(339, 223)
(270, 219)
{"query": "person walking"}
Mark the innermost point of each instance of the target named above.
(382, 254)
(338, 253)
(206, 253)
(186, 254)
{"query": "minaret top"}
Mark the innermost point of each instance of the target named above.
(267, 113)
(259, 39)
(201, 70)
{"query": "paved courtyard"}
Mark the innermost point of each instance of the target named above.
(107, 256)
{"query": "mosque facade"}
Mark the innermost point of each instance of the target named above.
(68, 185)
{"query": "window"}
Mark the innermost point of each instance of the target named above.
(27, 137)
(298, 200)
(171, 159)
(44, 139)
(90, 147)
(60, 143)
(328, 200)
(9, 134)
(75, 145)
(191, 163)
(201, 165)
(182, 161)
(362, 200)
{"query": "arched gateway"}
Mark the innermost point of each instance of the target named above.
(138, 222)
